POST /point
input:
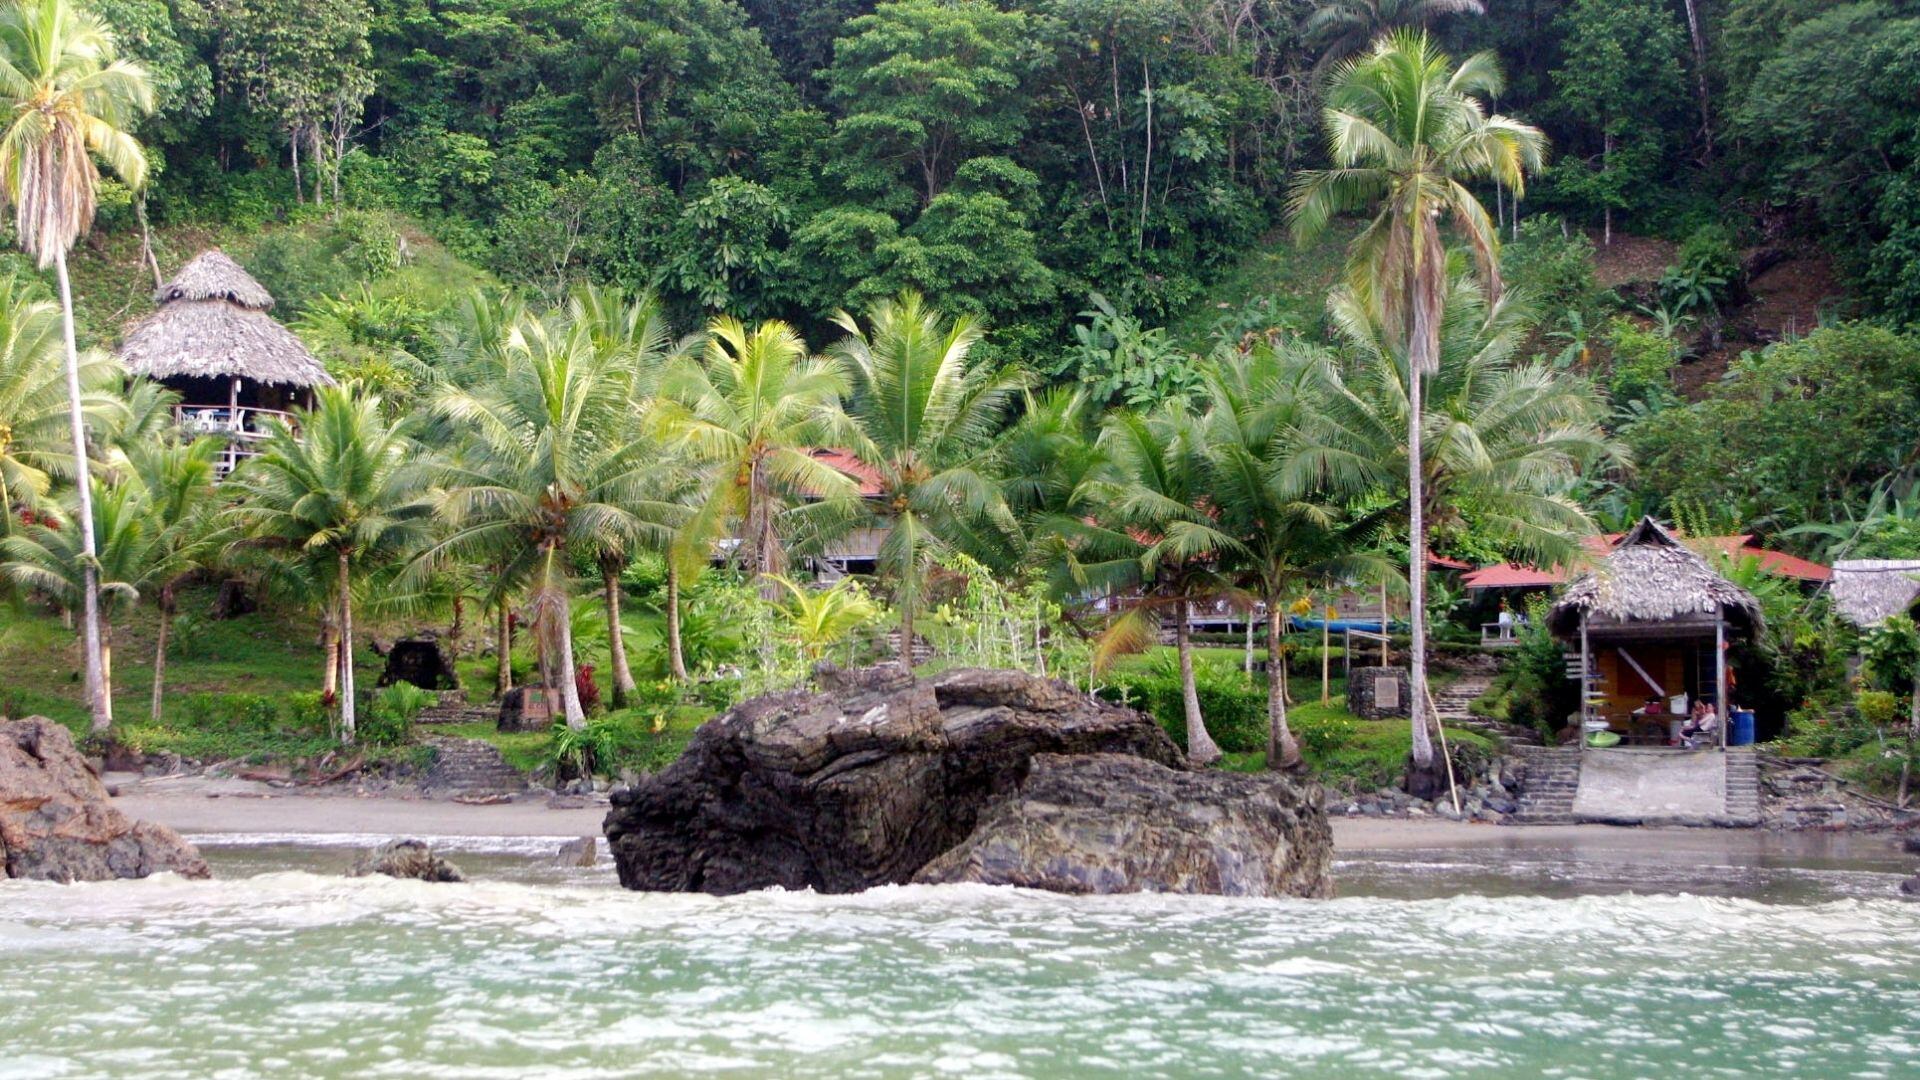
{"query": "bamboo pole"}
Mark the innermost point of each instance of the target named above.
(1433, 710)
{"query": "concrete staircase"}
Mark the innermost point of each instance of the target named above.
(1552, 780)
(1743, 788)
(470, 767)
(455, 709)
(1454, 704)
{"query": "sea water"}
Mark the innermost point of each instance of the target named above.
(1447, 967)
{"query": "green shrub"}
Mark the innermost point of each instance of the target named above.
(1554, 264)
(1704, 271)
(1234, 709)
(308, 712)
(1321, 731)
(639, 740)
(1642, 366)
(1820, 732)
(232, 712)
(389, 722)
(1877, 706)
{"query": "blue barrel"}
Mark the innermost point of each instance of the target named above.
(1740, 733)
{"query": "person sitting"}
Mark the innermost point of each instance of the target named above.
(1700, 726)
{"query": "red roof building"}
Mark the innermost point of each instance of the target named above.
(1518, 576)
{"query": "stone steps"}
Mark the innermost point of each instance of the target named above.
(470, 767)
(1552, 781)
(458, 713)
(1743, 787)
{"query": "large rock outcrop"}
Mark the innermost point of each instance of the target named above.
(878, 774)
(56, 823)
(1108, 823)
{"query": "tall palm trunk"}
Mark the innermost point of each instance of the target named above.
(160, 650)
(97, 704)
(1201, 749)
(1283, 752)
(1417, 572)
(676, 658)
(330, 646)
(623, 684)
(1913, 735)
(503, 651)
(106, 666)
(556, 609)
(348, 715)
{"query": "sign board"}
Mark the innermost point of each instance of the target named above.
(1386, 692)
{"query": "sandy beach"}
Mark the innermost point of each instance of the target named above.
(202, 806)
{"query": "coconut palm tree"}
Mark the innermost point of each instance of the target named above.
(178, 481)
(1406, 129)
(1259, 402)
(551, 469)
(72, 98)
(347, 490)
(46, 558)
(925, 414)
(1499, 443)
(749, 413)
(1157, 498)
(820, 618)
(35, 444)
(1344, 27)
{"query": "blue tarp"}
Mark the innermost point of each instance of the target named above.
(1339, 625)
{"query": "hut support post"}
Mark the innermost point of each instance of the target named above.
(1720, 674)
(1585, 684)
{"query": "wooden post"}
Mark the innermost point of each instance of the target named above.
(1720, 674)
(1433, 710)
(1584, 684)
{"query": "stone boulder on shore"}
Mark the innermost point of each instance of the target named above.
(56, 820)
(880, 777)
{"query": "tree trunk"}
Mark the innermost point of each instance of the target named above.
(1246, 651)
(503, 652)
(293, 147)
(623, 684)
(348, 715)
(1606, 214)
(330, 645)
(1201, 749)
(458, 628)
(160, 651)
(1913, 734)
(1417, 573)
(1283, 752)
(676, 658)
(569, 688)
(97, 704)
(106, 667)
(146, 240)
(1700, 75)
(906, 631)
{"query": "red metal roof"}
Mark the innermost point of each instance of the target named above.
(865, 475)
(1517, 576)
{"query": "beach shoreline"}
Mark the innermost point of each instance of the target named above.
(206, 808)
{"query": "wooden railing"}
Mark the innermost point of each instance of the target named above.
(1495, 635)
(242, 426)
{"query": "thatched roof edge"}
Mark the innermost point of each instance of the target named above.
(1651, 577)
(213, 275)
(1866, 591)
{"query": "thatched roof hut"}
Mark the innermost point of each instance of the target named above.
(1650, 582)
(212, 324)
(1867, 591)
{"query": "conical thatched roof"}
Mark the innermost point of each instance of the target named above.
(1866, 591)
(1650, 577)
(212, 322)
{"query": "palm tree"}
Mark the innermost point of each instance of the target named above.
(1344, 27)
(749, 414)
(46, 558)
(926, 414)
(347, 490)
(71, 99)
(1405, 128)
(819, 618)
(551, 469)
(35, 447)
(1260, 400)
(178, 480)
(1499, 443)
(1156, 501)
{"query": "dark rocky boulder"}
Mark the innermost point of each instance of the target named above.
(412, 859)
(421, 660)
(862, 783)
(56, 820)
(1108, 823)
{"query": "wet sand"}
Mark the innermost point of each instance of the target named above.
(197, 805)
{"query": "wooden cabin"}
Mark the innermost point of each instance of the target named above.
(1648, 630)
(212, 341)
